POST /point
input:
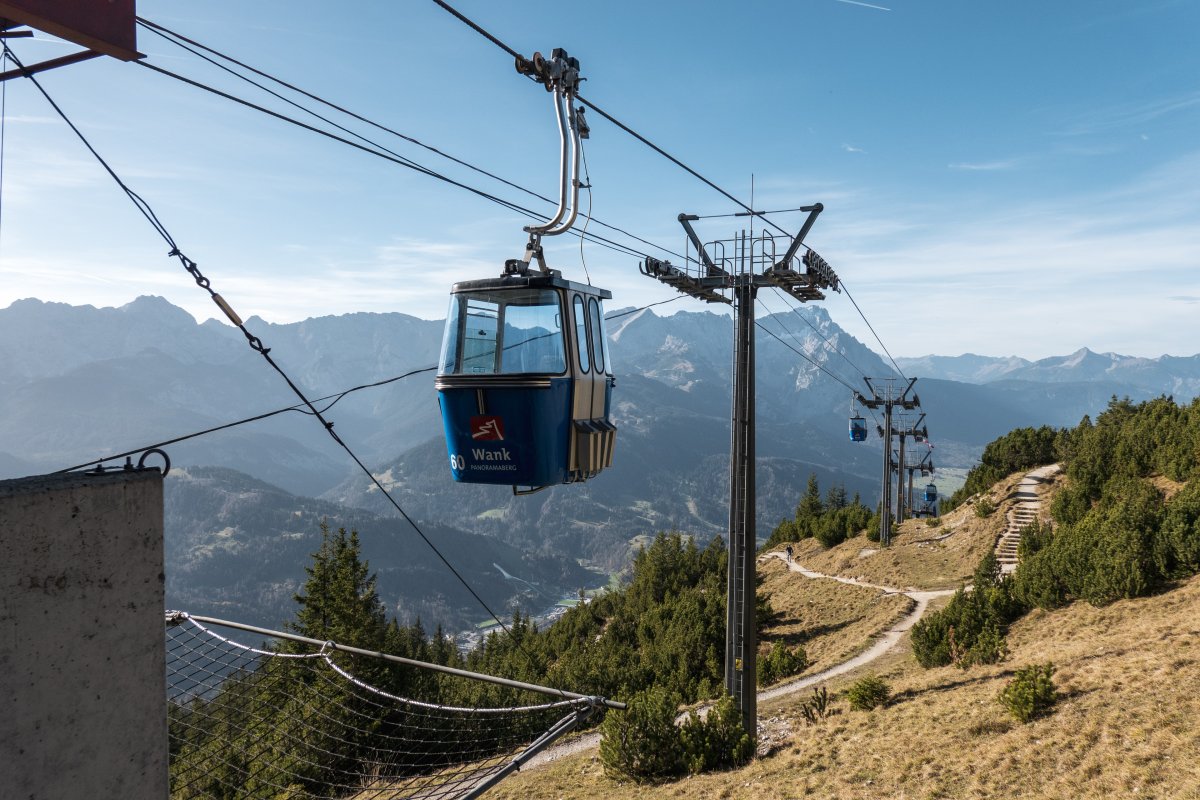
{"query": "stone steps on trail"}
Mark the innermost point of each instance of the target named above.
(1023, 514)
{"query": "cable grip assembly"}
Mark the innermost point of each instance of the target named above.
(560, 75)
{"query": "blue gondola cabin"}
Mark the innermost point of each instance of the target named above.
(524, 382)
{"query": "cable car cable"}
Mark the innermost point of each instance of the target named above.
(829, 344)
(805, 357)
(587, 184)
(643, 308)
(873, 333)
(257, 345)
(667, 155)
(790, 333)
(479, 30)
(178, 39)
(589, 104)
(141, 204)
(592, 106)
(299, 407)
(786, 344)
(512, 206)
(166, 33)
(290, 102)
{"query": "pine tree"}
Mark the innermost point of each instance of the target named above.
(339, 601)
(835, 498)
(810, 505)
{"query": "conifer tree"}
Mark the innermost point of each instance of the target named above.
(810, 505)
(339, 601)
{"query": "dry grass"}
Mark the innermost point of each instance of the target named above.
(920, 556)
(1125, 725)
(833, 621)
(1168, 487)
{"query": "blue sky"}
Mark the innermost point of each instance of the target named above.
(999, 178)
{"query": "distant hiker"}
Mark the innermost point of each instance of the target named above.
(789, 553)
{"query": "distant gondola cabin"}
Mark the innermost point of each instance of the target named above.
(858, 429)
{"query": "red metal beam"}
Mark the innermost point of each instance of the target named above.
(106, 26)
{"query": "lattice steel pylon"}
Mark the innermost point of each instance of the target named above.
(887, 398)
(306, 722)
(754, 263)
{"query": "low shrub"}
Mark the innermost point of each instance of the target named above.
(816, 708)
(1030, 694)
(868, 693)
(984, 508)
(1034, 537)
(718, 741)
(781, 662)
(933, 522)
(971, 628)
(642, 743)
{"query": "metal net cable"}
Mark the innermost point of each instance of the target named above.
(291, 720)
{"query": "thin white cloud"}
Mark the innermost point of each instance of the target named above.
(31, 119)
(864, 5)
(849, 148)
(985, 166)
(1131, 114)
(1036, 278)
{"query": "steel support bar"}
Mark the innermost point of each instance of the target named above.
(813, 211)
(176, 617)
(741, 644)
(910, 489)
(560, 729)
(62, 61)
(885, 505)
(686, 221)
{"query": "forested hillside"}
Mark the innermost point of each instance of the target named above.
(1125, 525)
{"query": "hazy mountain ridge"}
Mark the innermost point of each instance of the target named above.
(1178, 376)
(236, 547)
(82, 382)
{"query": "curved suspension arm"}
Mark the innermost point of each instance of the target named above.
(538, 230)
(576, 158)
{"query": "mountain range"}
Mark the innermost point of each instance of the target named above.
(80, 383)
(1169, 375)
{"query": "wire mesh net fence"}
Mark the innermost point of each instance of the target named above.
(296, 719)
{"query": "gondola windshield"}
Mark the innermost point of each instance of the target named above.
(504, 332)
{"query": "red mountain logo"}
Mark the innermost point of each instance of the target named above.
(487, 429)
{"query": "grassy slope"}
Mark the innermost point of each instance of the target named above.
(922, 557)
(831, 620)
(1125, 725)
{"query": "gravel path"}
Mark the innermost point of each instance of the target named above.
(885, 643)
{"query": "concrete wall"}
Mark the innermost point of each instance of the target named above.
(82, 685)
